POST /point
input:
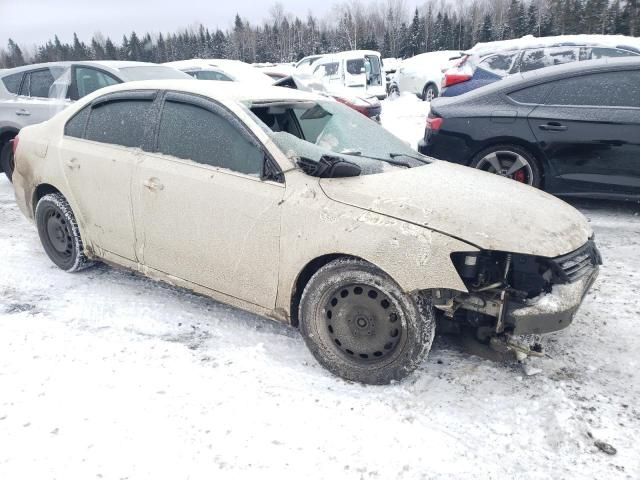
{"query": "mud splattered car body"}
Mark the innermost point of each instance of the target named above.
(260, 235)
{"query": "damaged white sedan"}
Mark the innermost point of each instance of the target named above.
(294, 206)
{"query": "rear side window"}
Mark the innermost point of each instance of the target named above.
(326, 70)
(531, 95)
(120, 122)
(545, 57)
(88, 80)
(356, 66)
(499, 64)
(75, 126)
(12, 82)
(38, 84)
(194, 133)
(608, 89)
(210, 75)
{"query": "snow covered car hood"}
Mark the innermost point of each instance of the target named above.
(483, 209)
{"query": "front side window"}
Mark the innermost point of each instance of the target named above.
(88, 80)
(119, 122)
(614, 89)
(195, 133)
(12, 82)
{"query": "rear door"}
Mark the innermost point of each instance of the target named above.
(99, 151)
(588, 130)
(39, 100)
(203, 211)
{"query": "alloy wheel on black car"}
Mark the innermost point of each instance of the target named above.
(510, 162)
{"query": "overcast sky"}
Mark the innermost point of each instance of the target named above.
(30, 22)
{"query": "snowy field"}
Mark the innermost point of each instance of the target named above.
(104, 374)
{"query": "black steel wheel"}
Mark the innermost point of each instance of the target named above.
(59, 233)
(6, 160)
(361, 326)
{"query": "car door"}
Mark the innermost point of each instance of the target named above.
(39, 100)
(99, 150)
(588, 130)
(203, 211)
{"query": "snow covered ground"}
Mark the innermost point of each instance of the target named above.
(104, 374)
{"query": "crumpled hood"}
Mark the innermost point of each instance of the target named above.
(483, 209)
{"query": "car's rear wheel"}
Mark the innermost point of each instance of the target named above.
(6, 159)
(361, 326)
(429, 92)
(510, 161)
(59, 233)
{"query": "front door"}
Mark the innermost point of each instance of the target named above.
(588, 130)
(203, 212)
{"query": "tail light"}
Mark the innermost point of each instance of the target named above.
(434, 123)
(363, 109)
(455, 78)
(14, 144)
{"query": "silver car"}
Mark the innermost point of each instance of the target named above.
(34, 93)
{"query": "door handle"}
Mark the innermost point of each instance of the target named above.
(73, 164)
(23, 113)
(153, 184)
(553, 127)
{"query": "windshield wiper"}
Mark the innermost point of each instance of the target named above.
(396, 155)
(388, 160)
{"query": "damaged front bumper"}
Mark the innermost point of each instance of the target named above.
(551, 311)
(520, 294)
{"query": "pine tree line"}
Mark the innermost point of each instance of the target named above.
(387, 27)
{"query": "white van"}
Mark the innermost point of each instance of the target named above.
(357, 69)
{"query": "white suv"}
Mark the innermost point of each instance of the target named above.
(34, 93)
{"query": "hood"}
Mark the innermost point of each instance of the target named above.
(485, 210)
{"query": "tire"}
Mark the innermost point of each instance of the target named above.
(500, 159)
(6, 159)
(429, 92)
(361, 326)
(59, 233)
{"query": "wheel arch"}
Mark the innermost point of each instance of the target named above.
(7, 133)
(40, 191)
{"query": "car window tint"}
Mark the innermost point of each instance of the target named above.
(12, 82)
(89, 80)
(40, 83)
(211, 75)
(119, 122)
(599, 52)
(356, 66)
(195, 133)
(534, 59)
(499, 64)
(75, 126)
(533, 95)
(611, 89)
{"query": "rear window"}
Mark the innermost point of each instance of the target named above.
(119, 122)
(12, 82)
(152, 72)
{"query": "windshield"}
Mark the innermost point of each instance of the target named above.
(152, 72)
(311, 130)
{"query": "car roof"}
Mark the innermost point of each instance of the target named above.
(109, 64)
(522, 80)
(529, 41)
(221, 91)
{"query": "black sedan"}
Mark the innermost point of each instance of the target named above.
(572, 130)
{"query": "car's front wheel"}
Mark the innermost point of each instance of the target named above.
(6, 159)
(510, 161)
(361, 326)
(59, 233)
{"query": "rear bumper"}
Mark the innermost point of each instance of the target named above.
(549, 312)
